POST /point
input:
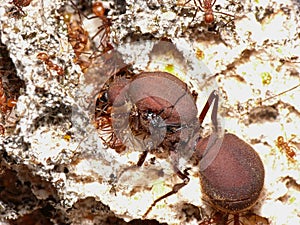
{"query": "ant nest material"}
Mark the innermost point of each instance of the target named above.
(57, 56)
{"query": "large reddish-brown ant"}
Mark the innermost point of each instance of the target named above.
(230, 162)
(242, 175)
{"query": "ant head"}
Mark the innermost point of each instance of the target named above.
(42, 56)
(98, 9)
(209, 18)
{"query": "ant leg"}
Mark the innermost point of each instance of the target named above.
(142, 158)
(196, 11)
(280, 93)
(213, 97)
(227, 14)
(187, 2)
(202, 6)
(213, 3)
(140, 162)
(81, 13)
(175, 189)
(104, 27)
(195, 2)
(236, 220)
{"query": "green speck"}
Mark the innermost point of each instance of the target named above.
(279, 50)
(292, 200)
(170, 68)
(266, 78)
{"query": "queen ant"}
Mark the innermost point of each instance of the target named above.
(242, 175)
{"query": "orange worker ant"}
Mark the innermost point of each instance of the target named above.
(98, 10)
(206, 7)
(50, 65)
(284, 146)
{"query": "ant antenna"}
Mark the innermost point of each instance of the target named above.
(274, 96)
(212, 97)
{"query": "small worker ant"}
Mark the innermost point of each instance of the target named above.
(5, 104)
(20, 4)
(104, 29)
(206, 7)
(285, 147)
(10, 84)
(2, 130)
(78, 38)
(104, 102)
(50, 65)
